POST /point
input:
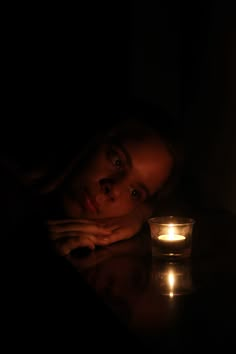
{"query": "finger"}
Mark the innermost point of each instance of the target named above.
(70, 221)
(110, 226)
(118, 235)
(100, 223)
(66, 245)
(109, 222)
(70, 234)
(88, 228)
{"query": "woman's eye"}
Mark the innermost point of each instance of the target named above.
(135, 194)
(118, 163)
(116, 160)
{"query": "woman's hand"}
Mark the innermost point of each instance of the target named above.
(124, 227)
(75, 233)
(127, 226)
(70, 234)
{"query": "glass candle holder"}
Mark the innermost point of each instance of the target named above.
(171, 236)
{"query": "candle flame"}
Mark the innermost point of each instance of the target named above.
(171, 232)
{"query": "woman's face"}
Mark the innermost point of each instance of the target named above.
(117, 178)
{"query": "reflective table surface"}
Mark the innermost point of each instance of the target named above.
(183, 305)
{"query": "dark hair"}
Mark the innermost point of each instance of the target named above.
(152, 116)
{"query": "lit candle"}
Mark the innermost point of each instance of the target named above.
(171, 236)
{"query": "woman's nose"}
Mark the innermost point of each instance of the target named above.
(112, 189)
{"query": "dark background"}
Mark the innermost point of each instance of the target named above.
(64, 67)
(63, 70)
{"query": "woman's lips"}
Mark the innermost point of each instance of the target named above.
(89, 203)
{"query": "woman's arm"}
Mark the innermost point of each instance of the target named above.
(68, 234)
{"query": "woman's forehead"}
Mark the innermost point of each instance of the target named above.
(151, 161)
(145, 148)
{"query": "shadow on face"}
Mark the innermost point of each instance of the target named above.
(121, 173)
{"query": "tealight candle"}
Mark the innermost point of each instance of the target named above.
(171, 239)
(171, 236)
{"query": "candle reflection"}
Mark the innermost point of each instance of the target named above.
(173, 278)
(171, 281)
(121, 275)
